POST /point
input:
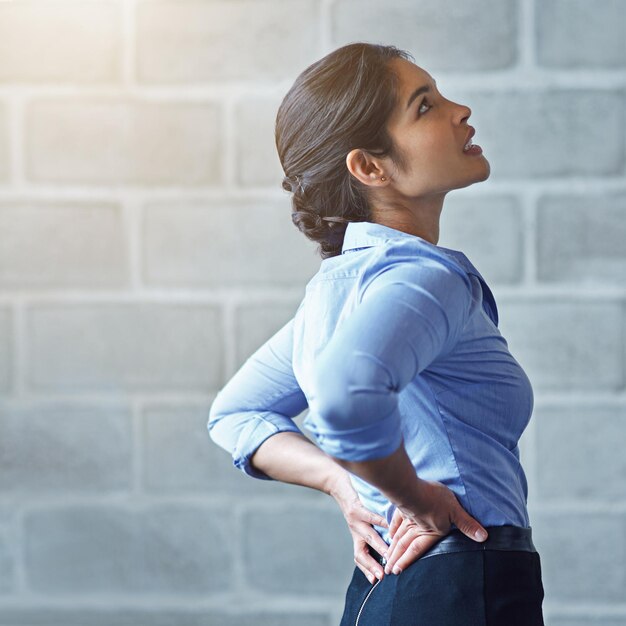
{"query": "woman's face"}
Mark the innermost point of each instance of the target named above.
(431, 132)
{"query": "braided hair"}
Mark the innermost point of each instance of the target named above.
(337, 104)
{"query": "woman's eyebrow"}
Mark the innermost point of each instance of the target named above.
(417, 92)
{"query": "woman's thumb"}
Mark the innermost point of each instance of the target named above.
(469, 526)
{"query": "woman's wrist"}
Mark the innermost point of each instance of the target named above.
(408, 497)
(290, 457)
(394, 476)
(339, 486)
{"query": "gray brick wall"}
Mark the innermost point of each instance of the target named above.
(138, 178)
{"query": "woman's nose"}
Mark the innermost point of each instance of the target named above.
(464, 112)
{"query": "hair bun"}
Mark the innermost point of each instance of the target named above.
(335, 219)
(287, 184)
(339, 103)
(293, 184)
(307, 220)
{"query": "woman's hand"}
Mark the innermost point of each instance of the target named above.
(415, 529)
(360, 521)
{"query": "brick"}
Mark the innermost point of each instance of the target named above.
(580, 34)
(117, 347)
(6, 349)
(54, 244)
(255, 323)
(565, 344)
(105, 549)
(179, 456)
(574, 545)
(489, 230)
(55, 447)
(593, 433)
(580, 239)
(441, 34)
(256, 156)
(225, 243)
(555, 132)
(193, 40)
(305, 550)
(55, 616)
(70, 42)
(7, 563)
(115, 140)
(5, 169)
(9, 547)
(8, 511)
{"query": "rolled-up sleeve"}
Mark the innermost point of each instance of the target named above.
(260, 400)
(411, 310)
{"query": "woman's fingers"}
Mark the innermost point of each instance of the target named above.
(374, 519)
(363, 519)
(366, 563)
(371, 537)
(415, 550)
(365, 515)
(409, 544)
(366, 573)
(398, 534)
(396, 520)
(401, 541)
(438, 508)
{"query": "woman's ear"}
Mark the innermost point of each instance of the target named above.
(364, 167)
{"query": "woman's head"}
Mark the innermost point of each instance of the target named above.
(343, 126)
(430, 132)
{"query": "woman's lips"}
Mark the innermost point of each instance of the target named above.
(473, 149)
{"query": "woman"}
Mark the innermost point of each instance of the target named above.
(415, 402)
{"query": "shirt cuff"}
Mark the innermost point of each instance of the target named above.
(255, 432)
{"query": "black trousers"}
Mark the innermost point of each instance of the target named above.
(477, 586)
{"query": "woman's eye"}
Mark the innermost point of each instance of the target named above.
(423, 103)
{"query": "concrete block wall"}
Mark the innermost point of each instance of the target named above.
(146, 249)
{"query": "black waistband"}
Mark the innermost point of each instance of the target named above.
(500, 538)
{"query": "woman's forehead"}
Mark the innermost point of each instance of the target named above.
(411, 75)
(411, 78)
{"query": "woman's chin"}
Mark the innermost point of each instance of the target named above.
(484, 175)
(476, 178)
(487, 169)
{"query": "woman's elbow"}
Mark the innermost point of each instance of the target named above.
(217, 412)
(331, 399)
(353, 396)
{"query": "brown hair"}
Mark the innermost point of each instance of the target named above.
(337, 104)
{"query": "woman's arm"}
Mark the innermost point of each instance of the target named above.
(425, 509)
(260, 400)
(412, 310)
(292, 458)
(409, 312)
(252, 419)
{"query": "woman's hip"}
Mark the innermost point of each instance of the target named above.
(461, 583)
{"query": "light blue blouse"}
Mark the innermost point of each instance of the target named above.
(395, 341)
